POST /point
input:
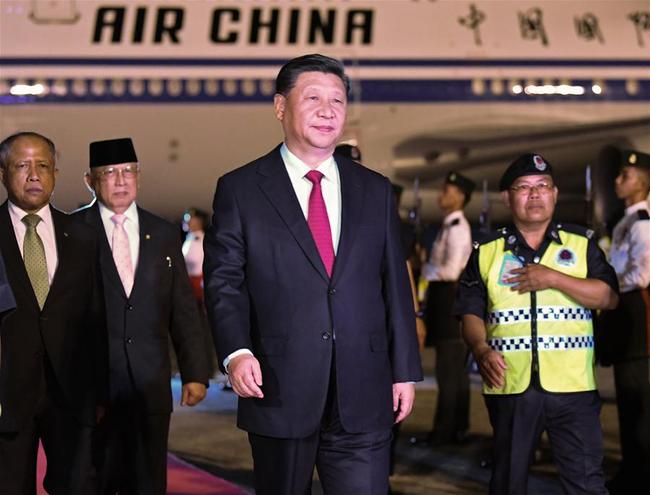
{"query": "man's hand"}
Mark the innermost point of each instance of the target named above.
(532, 278)
(403, 398)
(246, 376)
(193, 393)
(492, 367)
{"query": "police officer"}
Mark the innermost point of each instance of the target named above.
(449, 254)
(525, 299)
(626, 329)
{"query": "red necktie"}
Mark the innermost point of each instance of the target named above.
(318, 221)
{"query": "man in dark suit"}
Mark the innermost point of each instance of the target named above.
(53, 371)
(7, 299)
(148, 299)
(308, 294)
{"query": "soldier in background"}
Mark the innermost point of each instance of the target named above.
(449, 255)
(626, 330)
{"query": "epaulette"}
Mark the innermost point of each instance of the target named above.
(576, 229)
(489, 237)
(642, 215)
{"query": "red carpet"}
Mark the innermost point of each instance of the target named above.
(182, 479)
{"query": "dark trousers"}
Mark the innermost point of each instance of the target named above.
(452, 412)
(572, 423)
(134, 451)
(632, 380)
(347, 463)
(67, 446)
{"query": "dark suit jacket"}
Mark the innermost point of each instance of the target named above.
(7, 299)
(160, 305)
(267, 290)
(70, 331)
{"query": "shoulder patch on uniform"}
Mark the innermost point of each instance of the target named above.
(454, 222)
(642, 215)
(576, 229)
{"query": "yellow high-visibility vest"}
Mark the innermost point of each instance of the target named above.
(546, 329)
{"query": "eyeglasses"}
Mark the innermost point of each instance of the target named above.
(541, 187)
(128, 172)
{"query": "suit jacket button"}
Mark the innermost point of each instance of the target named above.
(331, 292)
(129, 307)
(325, 336)
(129, 340)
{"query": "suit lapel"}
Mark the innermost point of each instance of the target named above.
(351, 207)
(13, 259)
(276, 186)
(109, 269)
(64, 251)
(144, 251)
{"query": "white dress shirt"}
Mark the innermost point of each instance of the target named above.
(450, 250)
(44, 229)
(193, 253)
(131, 225)
(331, 188)
(630, 251)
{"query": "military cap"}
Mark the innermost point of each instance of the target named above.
(528, 164)
(461, 182)
(349, 151)
(112, 152)
(633, 158)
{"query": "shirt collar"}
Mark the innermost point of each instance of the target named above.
(514, 238)
(297, 169)
(641, 205)
(131, 212)
(17, 214)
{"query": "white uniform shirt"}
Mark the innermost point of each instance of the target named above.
(331, 189)
(630, 251)
(44, 229)
(450, 250)
(131, 225)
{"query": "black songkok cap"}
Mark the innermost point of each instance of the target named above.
(112, 152)
(633, 158)
(461, 182)
(349, 151)
(528, 164)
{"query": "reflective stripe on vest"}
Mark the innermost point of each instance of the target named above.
(547, 342)
(554, 313)
(550, 324)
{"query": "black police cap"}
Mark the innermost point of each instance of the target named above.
(349, 151)
(633, 158)
(112, 152)
(528, 164)
(461, 182)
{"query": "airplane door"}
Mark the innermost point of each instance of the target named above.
(54, 11)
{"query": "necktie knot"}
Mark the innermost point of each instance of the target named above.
(118, 219)
(314, 176)
(31, 220)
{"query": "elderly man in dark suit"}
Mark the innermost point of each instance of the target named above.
(148, 300)
(308, 294)
(53, 371)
